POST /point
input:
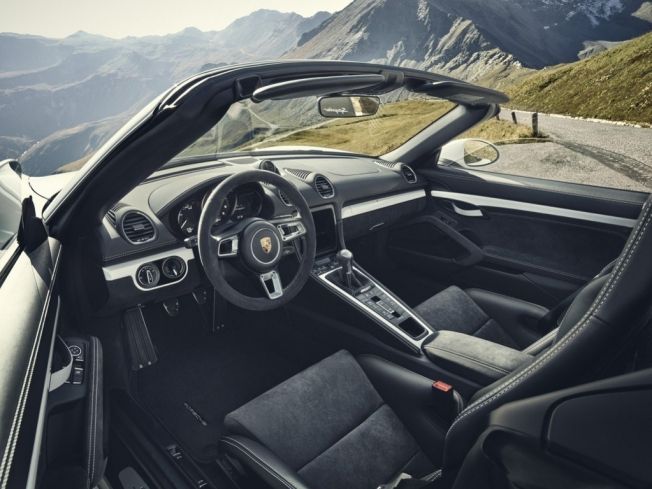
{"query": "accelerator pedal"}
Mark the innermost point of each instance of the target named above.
(139, 344)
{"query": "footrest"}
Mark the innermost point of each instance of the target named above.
(139, 344)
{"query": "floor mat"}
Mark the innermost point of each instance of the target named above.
(201, 377)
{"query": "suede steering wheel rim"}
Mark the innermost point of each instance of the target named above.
(257, 243)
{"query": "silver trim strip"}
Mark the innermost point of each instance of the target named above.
(467, 212)
(391, 328)
(129, 268)
(482, 201)
(375, 204)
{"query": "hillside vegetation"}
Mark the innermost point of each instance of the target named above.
(614, 85)
(394, 124)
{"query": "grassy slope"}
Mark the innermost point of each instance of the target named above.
(397, 123)
(615, 85)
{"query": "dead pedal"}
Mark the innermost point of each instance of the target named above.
(139, 344)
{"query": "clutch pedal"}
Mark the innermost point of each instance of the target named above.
(139, 344)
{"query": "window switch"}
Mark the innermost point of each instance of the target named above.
(77, 376)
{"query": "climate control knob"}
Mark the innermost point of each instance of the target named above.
(148, 276)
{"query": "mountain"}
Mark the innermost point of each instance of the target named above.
(473, 38)
(66, 94)
(594, 87)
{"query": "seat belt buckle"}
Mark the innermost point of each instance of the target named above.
(448, 402)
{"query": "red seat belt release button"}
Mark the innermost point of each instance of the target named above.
(442, 386)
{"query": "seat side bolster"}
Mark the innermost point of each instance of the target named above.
(519, 318)
(263, 462)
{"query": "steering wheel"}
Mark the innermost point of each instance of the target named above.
(256, 243)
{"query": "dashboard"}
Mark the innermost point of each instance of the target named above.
(148, 239)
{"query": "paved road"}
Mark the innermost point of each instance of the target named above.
(624, 152)
(634, 142)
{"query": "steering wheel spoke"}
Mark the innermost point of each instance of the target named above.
(227, 246)
(271, 282)
(291, 229)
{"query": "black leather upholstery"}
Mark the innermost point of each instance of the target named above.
(600, 317)
(483, 314)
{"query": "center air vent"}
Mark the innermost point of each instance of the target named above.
(409, 174)
(324, 187)
(137, 228)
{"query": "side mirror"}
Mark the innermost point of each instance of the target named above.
(468, 153)
(348, 106)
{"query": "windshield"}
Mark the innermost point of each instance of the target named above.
(249, 126)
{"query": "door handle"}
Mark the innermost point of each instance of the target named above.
(475, 212)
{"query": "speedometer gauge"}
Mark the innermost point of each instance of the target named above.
(188, 218)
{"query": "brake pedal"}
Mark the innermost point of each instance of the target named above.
(139, 344)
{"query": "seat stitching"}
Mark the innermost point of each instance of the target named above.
(252, 456)
(604, 294)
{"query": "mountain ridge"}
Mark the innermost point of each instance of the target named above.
(49, 87)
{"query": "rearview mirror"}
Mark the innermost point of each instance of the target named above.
(468, 153)
(348, 106)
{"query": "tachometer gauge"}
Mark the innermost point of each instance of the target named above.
(227, 206)
(188, 218)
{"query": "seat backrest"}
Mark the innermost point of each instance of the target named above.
(605, 311)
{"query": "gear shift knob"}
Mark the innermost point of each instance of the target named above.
(345, 260)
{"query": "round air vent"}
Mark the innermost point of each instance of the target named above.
(408, 174)
(137, 228)
(268, 165)
(324, 187)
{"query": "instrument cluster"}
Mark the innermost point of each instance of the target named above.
(242, 203)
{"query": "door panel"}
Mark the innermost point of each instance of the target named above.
(29, 308)
(532, 239)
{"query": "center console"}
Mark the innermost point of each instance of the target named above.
(337, 271)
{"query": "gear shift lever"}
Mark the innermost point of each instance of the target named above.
(345, 260)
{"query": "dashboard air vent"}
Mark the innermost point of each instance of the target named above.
(269, 165)
(386, 164)
(408, 173)
(137, 228)
(324, 187)
(284, 198)
(112, 213)
(302, 174)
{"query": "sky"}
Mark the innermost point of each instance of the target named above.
(120, 18)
